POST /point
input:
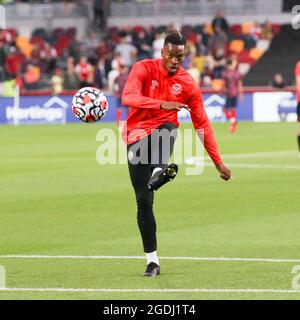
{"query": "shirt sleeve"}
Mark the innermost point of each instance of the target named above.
(132, 94)
(202, 125)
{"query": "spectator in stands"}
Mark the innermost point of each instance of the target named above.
(75, 49)
(99, 12)
(3, 53)
(187, 61)
(100, 79)
(220, 22)
(206, 81)
(278, 81)
(91, 43)
(201, 44)
(48, 56)
(190, 52)
(171, 27)
(219, 63)
(127, 50)
(209, 65)
(199, 61)
(233, 88)
(57, 81)
(31, 77)
(118, 87)
(252, 34)
(13, 62)
(157, 45)
(194, 72)
(255, 31)
(84, 70)
(105, 48)
(267, 31)
(71, 79)
(116, 65)
(218, 40)
(143, 46)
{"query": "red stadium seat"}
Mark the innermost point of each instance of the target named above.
(58, 33)
(244, 57)
(62, 44)
(236, 29)
(71, 32)
(38, 40)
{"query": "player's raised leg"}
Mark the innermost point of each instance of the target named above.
(162, 145)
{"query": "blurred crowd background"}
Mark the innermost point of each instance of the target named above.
(56, 59)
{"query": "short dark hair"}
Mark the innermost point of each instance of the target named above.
(175, 37)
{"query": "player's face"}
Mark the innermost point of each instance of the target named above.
(172, 56)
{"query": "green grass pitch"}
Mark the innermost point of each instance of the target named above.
(55, 199)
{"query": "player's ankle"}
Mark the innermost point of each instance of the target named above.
(152, 257)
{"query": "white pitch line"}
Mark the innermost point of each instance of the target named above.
(255, 166)
(280, 154)
(195, 290)
(57, 159)
(142, 258)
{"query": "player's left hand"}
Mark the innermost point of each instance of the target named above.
(225, 173)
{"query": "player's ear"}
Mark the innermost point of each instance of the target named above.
(162, 52)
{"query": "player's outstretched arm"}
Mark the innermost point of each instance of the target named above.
(205, 133)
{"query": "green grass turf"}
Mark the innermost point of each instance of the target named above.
(57, 200)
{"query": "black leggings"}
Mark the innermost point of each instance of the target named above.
(153, 151)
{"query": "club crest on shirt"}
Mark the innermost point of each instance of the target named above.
(176, 88)
(154, 84)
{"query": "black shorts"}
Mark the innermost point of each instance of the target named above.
(154, 150)
(231, 103)
(298, 111)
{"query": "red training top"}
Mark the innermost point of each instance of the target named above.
(232, 79)
(148, 85)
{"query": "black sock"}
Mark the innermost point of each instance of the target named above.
(299, 141)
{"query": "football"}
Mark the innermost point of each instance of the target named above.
(89, 104)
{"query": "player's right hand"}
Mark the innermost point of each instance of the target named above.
(169, 105)
(225, 173)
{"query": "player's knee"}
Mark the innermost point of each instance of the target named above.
(144, 202)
